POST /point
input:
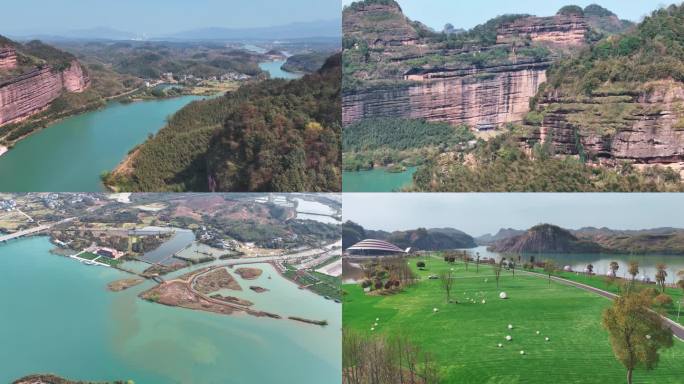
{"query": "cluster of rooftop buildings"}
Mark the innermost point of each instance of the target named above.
(8, 205)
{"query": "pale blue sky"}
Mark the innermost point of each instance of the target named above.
(467, 14)
(158, 16)
(480, 213)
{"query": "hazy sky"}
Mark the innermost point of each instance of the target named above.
(480, 213)
(467, 14)
(158, 16)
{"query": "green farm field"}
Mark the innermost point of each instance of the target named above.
(463, 337)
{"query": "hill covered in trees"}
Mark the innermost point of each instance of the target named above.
(306, 62)
(418, 239)
(274, 135)
(554, 239)
(545, 238)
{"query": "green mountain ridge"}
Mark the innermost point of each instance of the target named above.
(274, 135)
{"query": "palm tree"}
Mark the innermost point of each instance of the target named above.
(661, 275)
(633, 269)
(614, 266)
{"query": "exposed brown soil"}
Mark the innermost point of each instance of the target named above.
(249, 273)
(232, 299)
(123, 284)
(179, 294)
(217, 279)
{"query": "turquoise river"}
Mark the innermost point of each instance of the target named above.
(58, 317)
(70, 155)
(377, 180)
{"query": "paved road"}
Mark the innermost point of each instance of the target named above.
(677, 329)
(31, 231)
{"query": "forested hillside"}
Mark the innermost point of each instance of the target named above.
(274, 135)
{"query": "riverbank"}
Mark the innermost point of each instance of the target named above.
(81, 147)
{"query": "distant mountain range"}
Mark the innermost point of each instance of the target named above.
(418, 239)
(503, 233)
(301, 30)
(321, 28)
(554, 239)
(542, 238)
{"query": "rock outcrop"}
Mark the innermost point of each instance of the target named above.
(8, 58)
(32, 92)
(386, 20)
(406, 71)
(644, 127)
(477, 97)
(566, 30)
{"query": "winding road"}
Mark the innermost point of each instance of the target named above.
(677, 329)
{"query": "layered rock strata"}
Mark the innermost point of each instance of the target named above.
(567, 30)
(642, 127)
(8, 58)
(477, 97)
(32, 92)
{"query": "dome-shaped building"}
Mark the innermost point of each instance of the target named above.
(373, 247)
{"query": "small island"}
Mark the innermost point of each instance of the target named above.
(123, 284)
(258, 289)
(249, 273)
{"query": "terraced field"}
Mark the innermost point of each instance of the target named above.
(463, 338)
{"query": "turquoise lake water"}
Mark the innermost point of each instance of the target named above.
(70, 155)
(274, 68)
(59, 317)
(377, 180)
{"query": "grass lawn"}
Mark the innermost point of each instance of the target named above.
(108, 261)
(88, 256)
(463, 338)
(601, 283)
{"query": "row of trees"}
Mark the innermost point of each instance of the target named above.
(385, 360)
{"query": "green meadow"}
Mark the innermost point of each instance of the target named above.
(463, 337)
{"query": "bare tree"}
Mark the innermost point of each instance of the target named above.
(550, 268)
(466, 260)
(661, 275)
(497, 270)
(378, 359)
(447, 281)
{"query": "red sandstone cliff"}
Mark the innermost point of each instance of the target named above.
(566, 30)
(8, 58)
(408, 76)
(489, 96)
(32, 92)
(643, 127)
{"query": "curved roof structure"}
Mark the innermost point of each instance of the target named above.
(372, 246)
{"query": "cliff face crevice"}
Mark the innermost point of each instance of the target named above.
(32, 92)
(567, 30)
(489, 96)
(644, 127)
